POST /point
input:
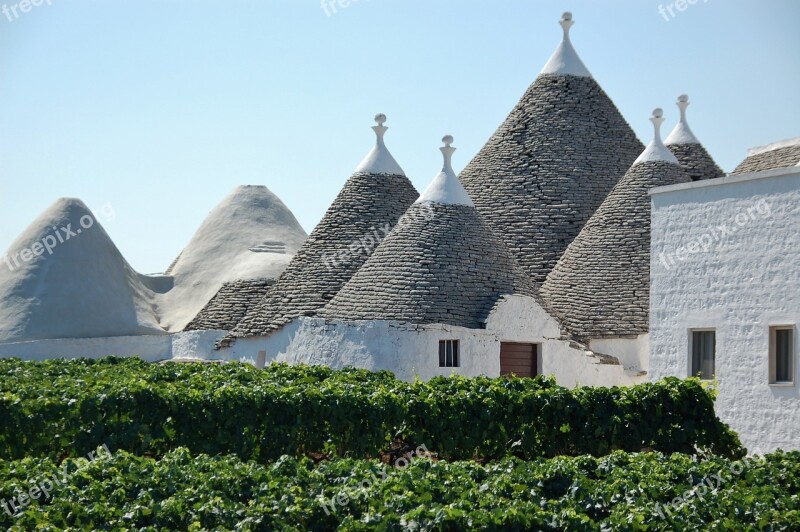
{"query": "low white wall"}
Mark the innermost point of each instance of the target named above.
(745, 280)
(196, 344)
(406, 350)
(411, 351)
(150, 348)
(633, 353)
(247, 349)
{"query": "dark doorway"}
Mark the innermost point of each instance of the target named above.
(519, 359)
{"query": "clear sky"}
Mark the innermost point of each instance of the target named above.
(160, 108)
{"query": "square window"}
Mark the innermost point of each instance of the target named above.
(448, 354)
(781, 350)
(704, 347)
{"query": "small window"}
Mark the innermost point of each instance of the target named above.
(704, 347)
(448, 354)
(781, 349)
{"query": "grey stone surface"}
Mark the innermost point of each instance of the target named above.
(230, 304)
(363, 212)
(443, 266)
(696, 160)
(770, 160)
(549, 166)
(600, 287)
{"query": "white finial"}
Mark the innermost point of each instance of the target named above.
(682, 134)
(566, 23)
(445, 187)
(657, 120)
(447, 152)
(379, 160)
(656, 151)
(565, 60)
(380, 129)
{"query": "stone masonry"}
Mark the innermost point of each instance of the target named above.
(363, 213)
(600, 288)
(770, 160)
(548, 167)
(447, 268)
(230, 304)
(696, 160)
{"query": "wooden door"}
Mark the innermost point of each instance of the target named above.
(519, 359)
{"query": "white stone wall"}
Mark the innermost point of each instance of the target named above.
(411, 351)
(150, 348)
(726, 255)
(194, 344)
(407, 350)
(633, 353)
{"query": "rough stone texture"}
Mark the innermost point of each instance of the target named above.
(696, 160)
(441, 264)
(230, 305)
(770, 160)
(365, 210)
(601, 286)
(545, 171)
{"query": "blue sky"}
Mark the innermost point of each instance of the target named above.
(161, 108)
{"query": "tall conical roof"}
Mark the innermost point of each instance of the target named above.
(251, 234)
(74, 284)
(691, 154)
(783, 154)
(601, 286)
(552, 162)
(440, 264)
(369, 205)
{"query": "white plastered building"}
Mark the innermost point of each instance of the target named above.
(725, 293)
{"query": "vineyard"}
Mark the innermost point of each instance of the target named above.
(291, 447)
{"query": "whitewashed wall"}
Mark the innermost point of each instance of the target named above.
(739, 281)
(633, 353)
(150, 348)
(411, 351)
(408, 350)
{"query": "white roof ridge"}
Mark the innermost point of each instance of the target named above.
(379, 160)
(445, 188)
(656, 150)
(757, 150)
(682, 134)
(565, 59)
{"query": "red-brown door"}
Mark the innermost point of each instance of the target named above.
(519, 359)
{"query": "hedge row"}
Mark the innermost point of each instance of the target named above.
(63, 408)
(618, 492)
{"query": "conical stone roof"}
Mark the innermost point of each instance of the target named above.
(65, 278)
(441, 264)
(553, 161)
(366, 209)
(691, 154)
(784, 154)
(251, 234)
(601, 286)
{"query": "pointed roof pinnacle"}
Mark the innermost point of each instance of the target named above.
(379, 160)
(656, 150)
(445, 187)
(565, 60)
(682, 134)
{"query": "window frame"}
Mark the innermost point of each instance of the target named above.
(773, 360)
(691, 352)
(454, 355)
